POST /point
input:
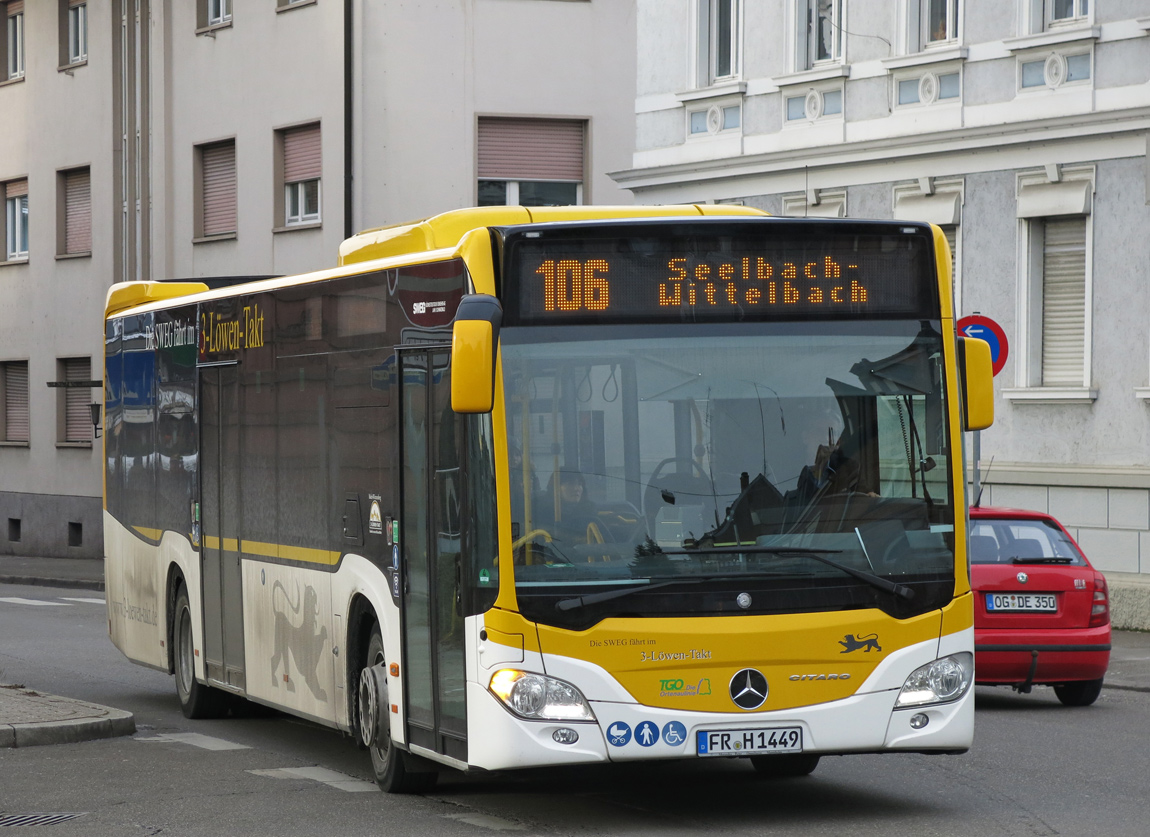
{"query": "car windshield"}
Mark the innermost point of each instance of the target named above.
(1018, 540)
(674, 462)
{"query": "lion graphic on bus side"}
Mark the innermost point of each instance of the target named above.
(303, 642)
(867, 643)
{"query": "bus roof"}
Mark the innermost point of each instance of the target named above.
(439, 233)
(446, 230)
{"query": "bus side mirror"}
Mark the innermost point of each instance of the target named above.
(976, 379)
(474, 337)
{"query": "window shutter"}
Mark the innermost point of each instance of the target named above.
(78, 416)
(1064, 302)
(951, 234)
(302, 158)
(219, 188)
(16, 401)
(78, 211)
(16, 188)
(531, 149)
(74, 3)
(15, 7)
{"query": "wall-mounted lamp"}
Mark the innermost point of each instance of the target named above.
(96, 408)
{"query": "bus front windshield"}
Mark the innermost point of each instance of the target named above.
(734, 468)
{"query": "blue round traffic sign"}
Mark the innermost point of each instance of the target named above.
(984, 328)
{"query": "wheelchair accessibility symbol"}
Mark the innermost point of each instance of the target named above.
(674, 733)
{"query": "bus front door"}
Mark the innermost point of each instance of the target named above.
(430, 542)
(223, 643)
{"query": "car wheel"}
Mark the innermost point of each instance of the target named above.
(785, 765)
(196, 699)
(391, 766)
(1082, 693)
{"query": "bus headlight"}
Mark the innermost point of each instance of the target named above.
(539, 697)
(944, 680)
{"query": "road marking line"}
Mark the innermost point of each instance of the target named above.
(204, 742)
(83, 601)
(35, 602)
(332, 778)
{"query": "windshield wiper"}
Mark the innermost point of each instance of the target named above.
(1054, 560)
(595, 598)
(881, 583)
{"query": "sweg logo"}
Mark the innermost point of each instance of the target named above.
(679, 688)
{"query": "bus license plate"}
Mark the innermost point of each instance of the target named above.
(748, 742)
(1041, 602)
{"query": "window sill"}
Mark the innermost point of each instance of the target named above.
(287, 7)
(8, 81)
(311, 225)
(11, 262)
(1051, 395)
(1057, 36)
(6, 444)
(1142, 393)
(715, 91)
(208, 239)
(921, 59)
(68, 68)
(87, 254)
(211, 29)
(811, 76)
(87, 445)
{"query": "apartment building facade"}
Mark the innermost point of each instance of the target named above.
(144, 140)
(1021, 127)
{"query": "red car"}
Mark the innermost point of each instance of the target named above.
(1041, 611)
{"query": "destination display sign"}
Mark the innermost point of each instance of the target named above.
(768, 269)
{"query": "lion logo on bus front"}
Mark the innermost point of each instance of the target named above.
(867, 643)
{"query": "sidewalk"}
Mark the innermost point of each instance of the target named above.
(74, 573)
(28, 719)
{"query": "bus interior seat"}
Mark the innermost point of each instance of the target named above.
(1025, 548)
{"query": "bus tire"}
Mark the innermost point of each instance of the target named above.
(785, 765)
(196, 699)
(391, 766)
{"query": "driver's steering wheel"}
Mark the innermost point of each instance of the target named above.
(652, 494)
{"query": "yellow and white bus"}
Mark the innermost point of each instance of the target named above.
(523, 487)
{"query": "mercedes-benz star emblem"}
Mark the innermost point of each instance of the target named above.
(749, 689)
(1023, 578)
(743, 600)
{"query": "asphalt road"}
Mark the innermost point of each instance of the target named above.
(1036, 769)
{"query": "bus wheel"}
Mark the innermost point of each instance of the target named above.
(785, 765)
(391, 766)
(196, 699)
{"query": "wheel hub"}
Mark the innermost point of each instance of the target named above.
(373, 706)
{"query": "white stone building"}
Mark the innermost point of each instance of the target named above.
(200, 138)
(1020, 126)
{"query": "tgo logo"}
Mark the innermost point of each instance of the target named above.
(671, 685)
(749, 689)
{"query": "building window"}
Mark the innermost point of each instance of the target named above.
(824, 31)
(16, 226)
(302, 165)
(814, 105)
(932, 201)
(213, 13)
(940, 21)
(1054, 70)
(73, 415)
(14, 42)
(216, 189)
(14, 401)
(1062, 244)
(1055, 320)
(77, 32)
(74, 198)
(927, 89)
(718, 31)
(1066, 11)
(714, 120)
(530, 162)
